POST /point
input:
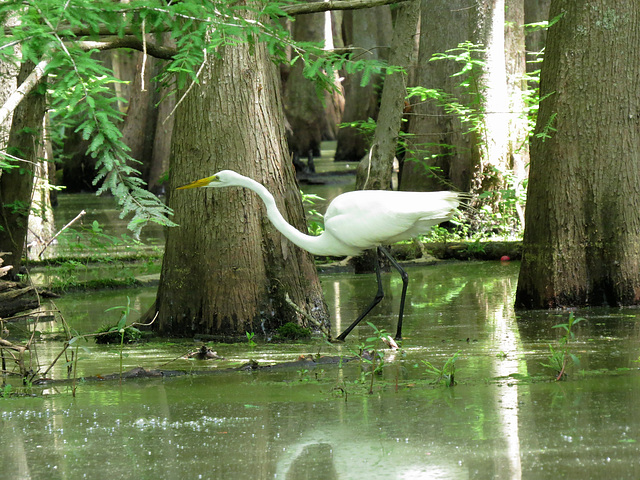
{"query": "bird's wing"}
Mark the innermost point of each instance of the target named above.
(367, 218)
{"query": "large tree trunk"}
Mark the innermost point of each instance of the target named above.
(369, 31)
(148, 125)
(582, 236)
(162, 143)
(226, 269)
(16, 184)
(374, 173)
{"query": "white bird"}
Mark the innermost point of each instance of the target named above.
(356, 221)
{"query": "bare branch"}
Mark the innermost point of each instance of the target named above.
(80, 215)
(129, 41)
(315, 7)
(16, 97)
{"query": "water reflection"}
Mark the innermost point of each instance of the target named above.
(291, 424)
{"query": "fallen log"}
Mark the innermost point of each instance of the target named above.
(308, 362)
(17, 298)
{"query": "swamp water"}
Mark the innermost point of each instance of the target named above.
(506, 418)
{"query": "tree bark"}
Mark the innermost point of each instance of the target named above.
(16, 184)
(226, 269)
(485, 154)
(139, 128)
(442, 156)
(535, 11)
(162, 143)
(41, 226)
(582, 236)
(518, 123)
(369, 30)
(334, 101)
(374, 173)
(302, 105)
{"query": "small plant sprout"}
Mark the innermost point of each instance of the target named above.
(303, 375)
(121, 329)
(370, 354)
(445, 375)
(250, 336)
(560, 359)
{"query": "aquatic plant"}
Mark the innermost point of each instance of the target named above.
(293, 331)
(560, 358)
(303, 375)
(110, 333)
(369, 353)
(122, 327)
(5, 390)
(444, 375)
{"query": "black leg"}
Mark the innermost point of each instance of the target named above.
(405, 284)
(379, 296)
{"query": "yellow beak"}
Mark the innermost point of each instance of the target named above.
(203, 182)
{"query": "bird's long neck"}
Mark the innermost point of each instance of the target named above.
(307, 242)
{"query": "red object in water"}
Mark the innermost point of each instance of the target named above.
(504, 258)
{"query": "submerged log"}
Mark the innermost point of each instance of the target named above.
(305, 361)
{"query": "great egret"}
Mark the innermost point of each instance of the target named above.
(354, 222)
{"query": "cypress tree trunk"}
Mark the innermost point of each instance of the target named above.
(139, 127)
(484, 155)
(437, 138)
(303, 108)
(16, 185)
(535, 11)
(370, 30)
(582, 235)
(374, 172)
(226, 269)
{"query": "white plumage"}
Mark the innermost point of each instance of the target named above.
(368, 218)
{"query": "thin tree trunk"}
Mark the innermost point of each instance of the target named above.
(334, 101)
(441, 155)
(516, 68)
(535, 11)
(374, 173)
(16, 185)
(302, 105)
(41, 223)
(368, 30)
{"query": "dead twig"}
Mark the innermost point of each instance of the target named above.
(308, 317)
(77, 217)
